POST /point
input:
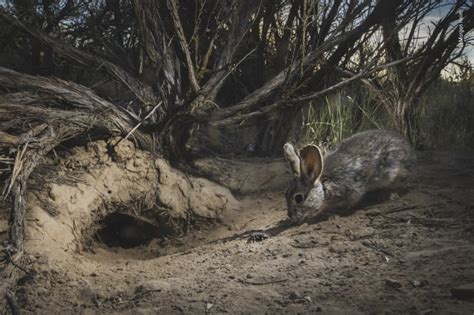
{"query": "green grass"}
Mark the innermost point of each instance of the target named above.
(444, 117)
(339, 116)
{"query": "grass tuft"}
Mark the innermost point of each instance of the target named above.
(444, 117)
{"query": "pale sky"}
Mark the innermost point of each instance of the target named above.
(435, 16)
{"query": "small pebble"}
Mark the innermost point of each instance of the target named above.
(209, 306)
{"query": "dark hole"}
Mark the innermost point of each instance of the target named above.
(127, 231)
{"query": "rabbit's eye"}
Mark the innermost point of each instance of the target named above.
(298, 197)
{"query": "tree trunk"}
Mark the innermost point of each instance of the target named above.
(405, 121)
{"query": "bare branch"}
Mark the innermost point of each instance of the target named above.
(240, 23)
(300, 101)
(184, 45)
(342, 41)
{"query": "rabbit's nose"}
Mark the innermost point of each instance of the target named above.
(298, 197)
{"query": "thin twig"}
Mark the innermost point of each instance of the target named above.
(10, 260)
(16, 169)
(399, 209)
(263, 282)
(139, 124)
(237, 64)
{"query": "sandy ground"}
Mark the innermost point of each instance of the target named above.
(394, 256)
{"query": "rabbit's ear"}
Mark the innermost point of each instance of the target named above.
(311, 163)
(292, 158)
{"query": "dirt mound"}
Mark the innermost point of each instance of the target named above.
(90, 186)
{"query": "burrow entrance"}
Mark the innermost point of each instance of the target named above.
(128, 231)
(147, 238)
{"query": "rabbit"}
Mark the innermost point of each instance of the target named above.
(367, 161)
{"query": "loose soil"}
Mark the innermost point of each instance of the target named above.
(402, 255)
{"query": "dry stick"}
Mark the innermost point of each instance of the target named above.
(139, 124)
(263, 282)
(400, 209)
(403, 208)
(14, 264)
(17, 166)
(233, 67)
